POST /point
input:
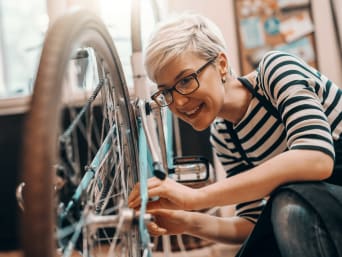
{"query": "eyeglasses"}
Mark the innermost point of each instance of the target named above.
(184, 86)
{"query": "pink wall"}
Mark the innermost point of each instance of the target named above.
(221, 12)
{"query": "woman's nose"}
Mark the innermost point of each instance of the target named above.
(179, 99)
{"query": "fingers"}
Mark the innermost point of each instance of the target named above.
(134, 203)
(166, 213)
(153, 205)
(155, 230)
(170, 193)
(135, 192)
(153, 185)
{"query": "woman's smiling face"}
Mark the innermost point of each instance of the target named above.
(201, 107)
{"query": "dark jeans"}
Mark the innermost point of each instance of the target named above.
(301, 220)
(298, 229)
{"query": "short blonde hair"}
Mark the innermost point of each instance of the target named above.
(188, 32)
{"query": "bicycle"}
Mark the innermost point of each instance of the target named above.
(109, 142)
(92, 148)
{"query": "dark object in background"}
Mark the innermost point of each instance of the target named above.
(10, 147)
(195, 142)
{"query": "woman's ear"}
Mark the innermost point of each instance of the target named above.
(223, 67)
(222, 62)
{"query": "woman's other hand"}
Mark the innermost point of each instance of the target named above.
(168, 222)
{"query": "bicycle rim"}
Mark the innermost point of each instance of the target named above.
(55, 143)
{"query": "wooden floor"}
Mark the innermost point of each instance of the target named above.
(11, 254)
(212, 251)
(19, 254)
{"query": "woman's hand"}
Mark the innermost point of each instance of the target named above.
(228, 230)
(172, 195)
(168, 222)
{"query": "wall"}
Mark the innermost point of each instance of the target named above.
(328, 55)
(222, 13)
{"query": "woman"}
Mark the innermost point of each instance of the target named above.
(277, 132)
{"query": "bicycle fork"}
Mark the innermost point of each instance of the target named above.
(151, 119)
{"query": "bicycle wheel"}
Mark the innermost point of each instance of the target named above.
(79, 162)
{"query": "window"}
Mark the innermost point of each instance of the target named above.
(118, 20)
(23, 25)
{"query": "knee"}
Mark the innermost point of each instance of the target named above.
(288, 212)
(298, 228)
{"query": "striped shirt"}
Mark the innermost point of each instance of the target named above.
(310, 117)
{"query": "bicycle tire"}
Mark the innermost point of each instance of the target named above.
(40, 147)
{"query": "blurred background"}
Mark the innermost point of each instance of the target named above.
(311, 29)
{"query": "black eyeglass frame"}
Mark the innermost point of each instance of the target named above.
(174, 87)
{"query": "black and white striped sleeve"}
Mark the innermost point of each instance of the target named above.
(293, 88)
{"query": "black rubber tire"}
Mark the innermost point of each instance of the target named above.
(78, 28)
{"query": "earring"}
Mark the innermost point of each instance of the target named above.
(223, 80)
